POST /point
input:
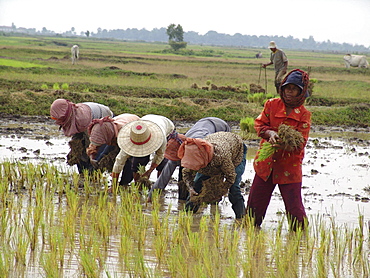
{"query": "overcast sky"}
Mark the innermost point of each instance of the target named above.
(335, 20)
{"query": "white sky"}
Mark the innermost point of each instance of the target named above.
(335, 20)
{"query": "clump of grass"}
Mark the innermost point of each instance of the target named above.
(65, 86)
(290, 139)
(44, 87)
(56, 86)
(247, 124)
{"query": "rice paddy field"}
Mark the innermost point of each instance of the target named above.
(56, 223)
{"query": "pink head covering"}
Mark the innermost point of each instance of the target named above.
(195, 153)
(102, 131)
(172, 148)
(73, 118)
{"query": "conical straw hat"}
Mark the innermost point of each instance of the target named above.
(140, 138)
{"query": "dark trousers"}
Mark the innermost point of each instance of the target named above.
(260, 196)
(131, 166)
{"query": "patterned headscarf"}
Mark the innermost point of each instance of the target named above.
(301, 79)
(195, 153)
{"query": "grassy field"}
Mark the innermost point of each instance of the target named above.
(143, 78)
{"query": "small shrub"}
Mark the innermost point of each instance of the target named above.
(56, 86)
(65, 86)
(247, 124)
(44, 87)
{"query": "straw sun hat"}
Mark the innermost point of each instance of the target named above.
(140, 138)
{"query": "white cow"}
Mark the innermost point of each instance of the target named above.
(355, 61)
(75, 52)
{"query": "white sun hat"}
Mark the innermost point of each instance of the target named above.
(272, 44)
(140, 138)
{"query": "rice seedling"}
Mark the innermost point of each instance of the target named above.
(65, 86)
(44, 87)
(158, 243)
(289, 139)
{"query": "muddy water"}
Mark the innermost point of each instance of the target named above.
(336, 168)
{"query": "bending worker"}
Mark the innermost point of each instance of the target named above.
(74, 119)
(104, 131)
(139, 139)
(200, 129)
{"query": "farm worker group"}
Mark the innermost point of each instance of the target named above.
(211, 157)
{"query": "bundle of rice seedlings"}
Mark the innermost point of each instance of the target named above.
(107, 161)
(78, 145)
(143, 182)
(212, 190)
(266, 151)
(290, 139)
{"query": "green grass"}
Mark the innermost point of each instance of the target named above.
(18, 64)
(141, 78)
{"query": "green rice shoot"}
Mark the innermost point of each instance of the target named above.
(290, 139)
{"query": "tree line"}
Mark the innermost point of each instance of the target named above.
(210, 38)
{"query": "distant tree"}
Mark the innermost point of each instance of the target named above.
(87, 33)
(176, 36)
(13, 26)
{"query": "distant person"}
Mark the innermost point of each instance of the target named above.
(105, 131)
(200, 129)
(280, 61)
(139, 139)
(284, 167)
(74, 119)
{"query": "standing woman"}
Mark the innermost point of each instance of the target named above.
(283, 167)
(74, 119)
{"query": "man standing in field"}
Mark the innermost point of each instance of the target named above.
(280, 61)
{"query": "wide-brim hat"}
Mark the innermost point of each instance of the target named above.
(272, 44)
(140, 138)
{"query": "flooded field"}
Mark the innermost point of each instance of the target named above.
(336, 187)
(336, 167)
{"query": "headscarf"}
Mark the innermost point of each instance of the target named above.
(195, 153)
(73, 118)
(101, 131)
(105, 130)
(301, 79)
(173, 144)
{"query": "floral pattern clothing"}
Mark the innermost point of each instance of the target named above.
(285, 167)
(228, 153)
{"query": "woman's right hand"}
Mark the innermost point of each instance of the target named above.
(273, 137)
